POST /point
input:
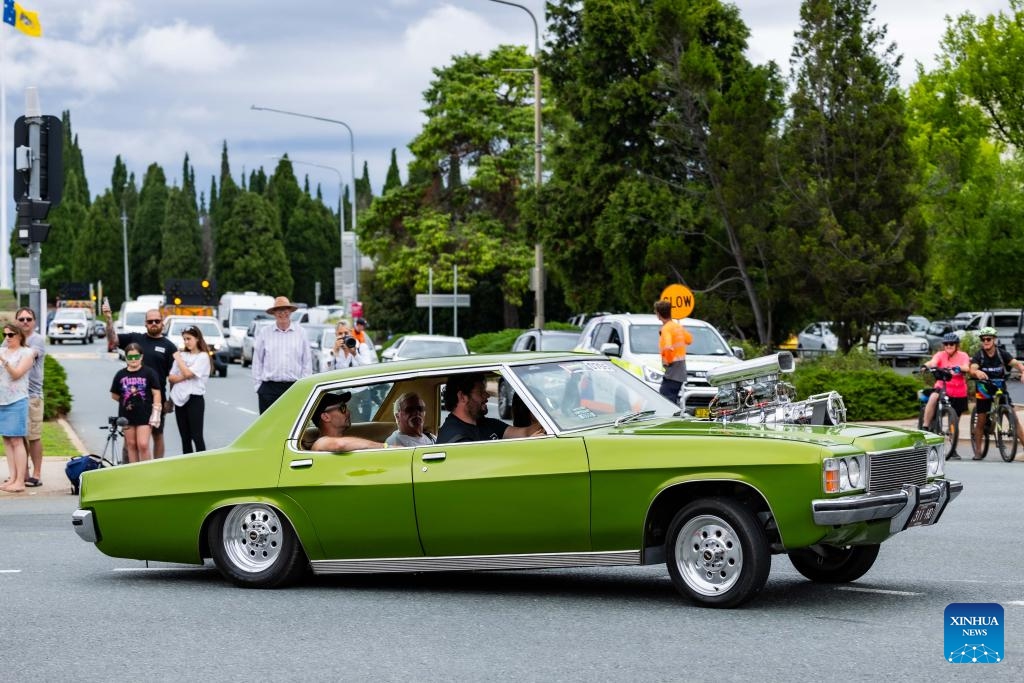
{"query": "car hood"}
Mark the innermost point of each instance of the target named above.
(694, 362)
(864, 436)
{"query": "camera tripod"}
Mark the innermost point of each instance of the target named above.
(115, 428)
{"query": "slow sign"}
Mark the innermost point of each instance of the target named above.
(681, 298)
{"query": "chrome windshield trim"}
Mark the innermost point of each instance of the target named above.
(476, 562)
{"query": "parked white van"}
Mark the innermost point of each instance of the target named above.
(1005, 320)
(236, 311)
(132, 317)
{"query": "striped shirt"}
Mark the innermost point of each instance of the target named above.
(281, 355)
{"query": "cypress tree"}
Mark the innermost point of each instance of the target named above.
(181, 251)
(250, 251)
(393, 179)
(145, 236)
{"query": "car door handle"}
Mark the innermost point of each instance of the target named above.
(300, 464)
(430, 457)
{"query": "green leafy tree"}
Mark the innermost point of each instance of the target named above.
(98, 256)
(857, 240)
(312, 247)
(394, 178)
(145, 234)
(181, 254)
(57, 254)
(250, 249)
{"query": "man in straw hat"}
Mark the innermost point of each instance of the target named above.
(280, 354)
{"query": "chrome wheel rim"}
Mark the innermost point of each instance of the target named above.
(252, 537)
(708, 555)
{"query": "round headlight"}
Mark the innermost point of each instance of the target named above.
(855, 473)
(933, 460)
(844, 474)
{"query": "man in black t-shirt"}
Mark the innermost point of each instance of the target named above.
(157, 353)
(991, 363)
(465, 398)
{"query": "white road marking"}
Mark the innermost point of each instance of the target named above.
(161, 569)
(250, 411)
(10, 571)
(854, 589)
(1016, 603)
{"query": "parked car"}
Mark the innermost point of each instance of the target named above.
(534, 340)
(99, 329)
(1006, 321)
(631, 340)
(249, 339)
(817, 338)
(412, 346)
(918, 324)
(617, 478)
(937, 329)
(175, 325)
(893, 340)
(71, 324)
(317, 334)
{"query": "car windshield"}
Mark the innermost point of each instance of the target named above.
(706, 342)
(558, 342)
(71, 315)
(207, 327)
(135, 318)
(894, 328)
(431, 348)
(590, 393)
(241, 317)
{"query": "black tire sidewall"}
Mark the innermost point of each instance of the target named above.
(285, 568)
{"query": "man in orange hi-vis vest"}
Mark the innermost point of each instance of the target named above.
(672, 343)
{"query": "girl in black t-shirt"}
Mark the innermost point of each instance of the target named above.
(137, 392)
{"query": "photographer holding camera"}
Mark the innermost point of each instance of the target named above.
(346, 348)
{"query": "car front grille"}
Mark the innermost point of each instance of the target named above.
(889, 470)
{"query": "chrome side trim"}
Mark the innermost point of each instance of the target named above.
(428, 457)
(897, 506)
(476, 562)
(84, 523)
(299, 464)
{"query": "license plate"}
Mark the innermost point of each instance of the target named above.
(923, 515)
(701, 412)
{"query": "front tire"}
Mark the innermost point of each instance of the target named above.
(254, 546)
(830, 564)
(949, 427)
(1005, 428)
(717, 553)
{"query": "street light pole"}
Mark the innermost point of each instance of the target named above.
(352, 153)
(538, 248)
(124, 237)
(341, 213)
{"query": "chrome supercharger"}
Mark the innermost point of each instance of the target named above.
(753, 392)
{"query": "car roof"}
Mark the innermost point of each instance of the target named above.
(643, 319)
(432, 337)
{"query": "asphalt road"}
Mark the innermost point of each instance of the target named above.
(71, 613)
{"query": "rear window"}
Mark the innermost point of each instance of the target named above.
(1006, 320)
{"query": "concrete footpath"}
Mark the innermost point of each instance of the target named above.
(55, 482)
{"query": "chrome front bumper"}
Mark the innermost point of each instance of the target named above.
(84, 523)
(897, 506)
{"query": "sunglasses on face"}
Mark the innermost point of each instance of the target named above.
(152, 322)
(26, 320)
(987, 338)
(949, 343)
(341, 407)
(414, 409)
(133, 356)
(10, 334)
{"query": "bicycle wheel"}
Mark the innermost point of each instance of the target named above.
(948, 426)
(983, 451)
(1006, 433)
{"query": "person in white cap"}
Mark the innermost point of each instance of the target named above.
(280, 356)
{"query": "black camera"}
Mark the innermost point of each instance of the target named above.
(115, 421)
(351, 342)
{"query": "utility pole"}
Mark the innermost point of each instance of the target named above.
(124, 238)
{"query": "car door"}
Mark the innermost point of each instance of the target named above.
(509, 496)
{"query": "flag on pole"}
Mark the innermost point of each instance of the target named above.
(22, 19)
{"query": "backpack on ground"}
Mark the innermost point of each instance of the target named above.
(79, 464)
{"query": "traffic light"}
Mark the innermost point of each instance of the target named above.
(50, 155)
(29, 226)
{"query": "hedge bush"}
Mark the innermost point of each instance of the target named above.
(870, 391)
(56, 396)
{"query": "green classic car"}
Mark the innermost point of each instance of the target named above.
(617, 477)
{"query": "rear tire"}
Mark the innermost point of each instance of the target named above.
(831, 564)
(1005, 428)
(983, 451)
(717, 553)
(254, 546)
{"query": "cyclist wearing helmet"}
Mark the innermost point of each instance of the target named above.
(991, 362)
(953, 359)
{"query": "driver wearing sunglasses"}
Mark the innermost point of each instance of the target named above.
(332, 418)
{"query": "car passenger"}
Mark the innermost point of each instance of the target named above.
(465, 397)
(410, 411)
(332, 418)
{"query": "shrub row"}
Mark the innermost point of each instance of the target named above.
(870, 391)
(56, 396)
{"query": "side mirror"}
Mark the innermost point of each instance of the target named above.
(610, 349)
(739, 352)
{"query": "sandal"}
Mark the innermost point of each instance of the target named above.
(32, 482)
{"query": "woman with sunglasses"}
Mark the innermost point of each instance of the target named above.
(188, 387)
(959, 363)
(136, 388)
(15, 362)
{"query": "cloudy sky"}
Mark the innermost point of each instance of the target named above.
(151, 80)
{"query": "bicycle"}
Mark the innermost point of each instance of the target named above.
(945, 421)
(1002, 422)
